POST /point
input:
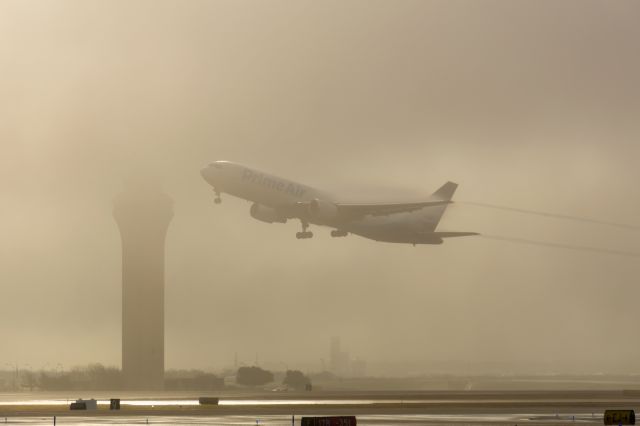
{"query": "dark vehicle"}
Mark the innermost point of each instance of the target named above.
(329, 421)
(208, 400)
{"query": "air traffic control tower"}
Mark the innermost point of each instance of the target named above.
(143, 213)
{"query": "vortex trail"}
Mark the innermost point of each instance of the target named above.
(561, 246)
(553, 215)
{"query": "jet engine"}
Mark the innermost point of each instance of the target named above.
(266, 214)
(322, 211)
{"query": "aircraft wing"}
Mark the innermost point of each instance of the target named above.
(358, 210)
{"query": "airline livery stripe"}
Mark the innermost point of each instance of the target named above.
(273, 183)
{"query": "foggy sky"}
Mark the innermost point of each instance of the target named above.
(530, 104)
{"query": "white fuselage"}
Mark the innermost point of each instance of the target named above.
(278, 193)
(260, 187)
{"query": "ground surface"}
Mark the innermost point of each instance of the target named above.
(371, 408)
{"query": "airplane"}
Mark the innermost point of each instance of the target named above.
(276, 200)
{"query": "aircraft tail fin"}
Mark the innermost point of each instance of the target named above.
(434, 214)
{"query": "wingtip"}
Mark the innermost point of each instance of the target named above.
(446, 191)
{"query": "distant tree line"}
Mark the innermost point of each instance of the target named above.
(256, 376)
(253, 376)
(296, 380)
(178, 380)
(91, 377)
(99, 377)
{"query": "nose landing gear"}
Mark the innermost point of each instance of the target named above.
(304, 234)
(217, 200)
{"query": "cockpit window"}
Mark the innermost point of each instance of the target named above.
(217, 165)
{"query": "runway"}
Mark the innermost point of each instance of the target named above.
(379, 420)
(370, 408)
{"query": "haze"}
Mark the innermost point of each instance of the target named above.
(529, 104)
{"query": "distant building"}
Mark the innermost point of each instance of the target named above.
(338, 359)
(358, 368)
(341, 364)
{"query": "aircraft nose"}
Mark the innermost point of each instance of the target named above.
(206, 173)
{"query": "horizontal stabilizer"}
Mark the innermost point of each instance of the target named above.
(453, 234)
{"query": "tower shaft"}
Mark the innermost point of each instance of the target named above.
(143, 219)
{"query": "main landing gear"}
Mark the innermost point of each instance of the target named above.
(217, 200)
(339, 233)
(304, 234)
